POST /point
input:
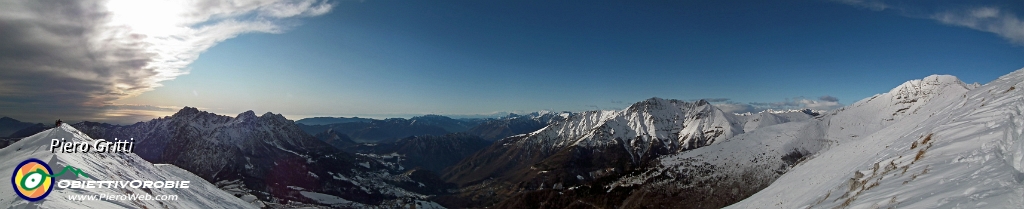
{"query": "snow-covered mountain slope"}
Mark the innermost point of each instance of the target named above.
(644, 130)
(595, 145)
(930, 143)
(720, 174)
(267, 156)
(106, 167)
(883, 110)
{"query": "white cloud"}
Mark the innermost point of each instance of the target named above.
(828, 98)
(77, 54)
(991, 19)
(296, 8)
(988, 19)
(985, 12)
(736, 108)
(869, 4)
(819, 105)
(798, 103)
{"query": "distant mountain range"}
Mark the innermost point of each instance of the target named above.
(513, 124)
(9, 127)
(425, 142)
(332, 120)
(389, 130)
(378, 130)
(12, 130)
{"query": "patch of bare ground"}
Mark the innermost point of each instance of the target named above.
(859, 183)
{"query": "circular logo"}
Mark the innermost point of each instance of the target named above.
(32, 180)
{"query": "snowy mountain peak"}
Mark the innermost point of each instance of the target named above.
(246, 116)
(701, 102)
(194, 115)
(656, 101)
(655, 104)
(275, 117)
(928, 85)
(187, 111)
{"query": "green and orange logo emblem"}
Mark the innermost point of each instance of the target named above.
(32, 180)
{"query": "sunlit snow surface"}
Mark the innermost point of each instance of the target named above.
(109, 167)
(930, 143)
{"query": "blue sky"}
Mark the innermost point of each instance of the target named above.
(396, 58)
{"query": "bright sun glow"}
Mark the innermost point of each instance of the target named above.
(151, 18)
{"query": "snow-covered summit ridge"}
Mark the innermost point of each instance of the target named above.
(881, 110)
(108, 167)
(919, 89)
(926, 86)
